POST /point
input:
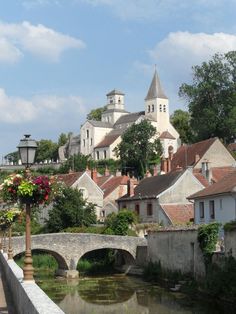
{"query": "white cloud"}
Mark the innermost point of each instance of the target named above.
(16, 110)
(181, 50)
(16, 39)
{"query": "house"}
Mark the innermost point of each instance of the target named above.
(99, 138)
(162, 198)
(208, 158)
(83, 182)
(216, 202)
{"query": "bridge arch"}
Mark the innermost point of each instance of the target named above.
(59, 258)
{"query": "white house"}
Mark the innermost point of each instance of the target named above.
(216, 202)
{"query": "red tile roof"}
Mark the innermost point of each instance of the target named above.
(114, 182)
(179, 213)
(225, 185)
(219, 173)
(198, 175)
(103, 179)
(166, 134)
(186, 154)
(232, 147)
(69, 178)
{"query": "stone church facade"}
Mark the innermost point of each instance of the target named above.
(99, 138)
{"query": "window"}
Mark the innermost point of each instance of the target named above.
(124, 206)
(149, 209)
(221, 203)
(91, 141)
(105, 154)
(212, 209)
(137, 209)
(164, 108)
(148, 108)
(160, 108)
(119, 100)
(102, 213)
(152, 108)
(201, 210)
(84, 142)
(97, 155)
(83, 192)
(87, 133)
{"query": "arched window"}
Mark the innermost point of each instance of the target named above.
(153, 108)
(87, 132)
(148, 108)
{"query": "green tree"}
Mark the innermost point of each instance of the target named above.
(139, 147)
(70, 210)
(181, 120)
(47, 150)
(119, 223)
(12, 157)
(63, 138)
(76, 162)
(212, 98)
(96, 114)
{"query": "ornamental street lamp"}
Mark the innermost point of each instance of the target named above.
(27, 149)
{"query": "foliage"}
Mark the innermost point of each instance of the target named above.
(220, 281)
(70, 210)
(46, 150)
(12, 157)
(96, 114)
(18, 228)
(40, 261)
(84, 229)
(181, 120)
(207, 238)
(139, 147)
(118, 224)
(212, 98)
(76, 162)
(38, 190)
(8, 217)
(63, 138)
(229, 226)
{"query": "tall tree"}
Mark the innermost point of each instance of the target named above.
(70, 210)
(96, 114)
(47, 150)
(181, 121)
(212, 98)
(139, 147)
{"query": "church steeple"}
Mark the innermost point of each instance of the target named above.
(155, 89)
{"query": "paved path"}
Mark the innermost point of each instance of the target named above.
(6, 305)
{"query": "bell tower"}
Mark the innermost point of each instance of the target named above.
(157, 104)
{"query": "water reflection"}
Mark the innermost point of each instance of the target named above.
(118, 295)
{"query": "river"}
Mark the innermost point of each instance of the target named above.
(118, 294)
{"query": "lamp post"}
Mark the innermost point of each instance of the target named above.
(27, 149)
(10, 250)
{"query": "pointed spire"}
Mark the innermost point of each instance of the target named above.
(155, 89)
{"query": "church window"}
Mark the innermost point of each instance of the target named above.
(164, 108)
(160, 108)
(105, 154)
(87, 132)
(119, 100)
(91, 141)
(102, 213)
(148, 108)
(84, 142)
(111, 100)
(152, 108)
(97, 155)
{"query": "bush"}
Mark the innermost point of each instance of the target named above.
(229, 226)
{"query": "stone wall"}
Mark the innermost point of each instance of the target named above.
(28, 298)
(230, 242)
(176, 250)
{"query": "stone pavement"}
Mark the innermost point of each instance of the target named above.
(6, 304)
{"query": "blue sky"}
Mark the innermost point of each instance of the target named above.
(59, 58)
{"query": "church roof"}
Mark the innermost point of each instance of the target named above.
(110, 138)
(115, 92)
(128, 118)
(155, 89)
(100, 124)
(166, 134)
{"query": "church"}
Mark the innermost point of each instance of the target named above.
(99, 138)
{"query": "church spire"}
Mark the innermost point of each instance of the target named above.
(155, 89)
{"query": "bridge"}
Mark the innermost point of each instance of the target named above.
(68, 248)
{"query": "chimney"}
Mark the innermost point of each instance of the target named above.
(94, 175)
(130, 187)
(197, 158)
(88, 171)
(107, 172)
(118, 173)
(155, 170)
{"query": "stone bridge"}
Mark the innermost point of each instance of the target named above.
(68, 248)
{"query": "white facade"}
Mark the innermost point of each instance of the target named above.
(221, 208)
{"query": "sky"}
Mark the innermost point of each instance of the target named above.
(59, 58)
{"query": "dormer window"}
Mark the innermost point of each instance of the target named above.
(160, 108)
(152, 108)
